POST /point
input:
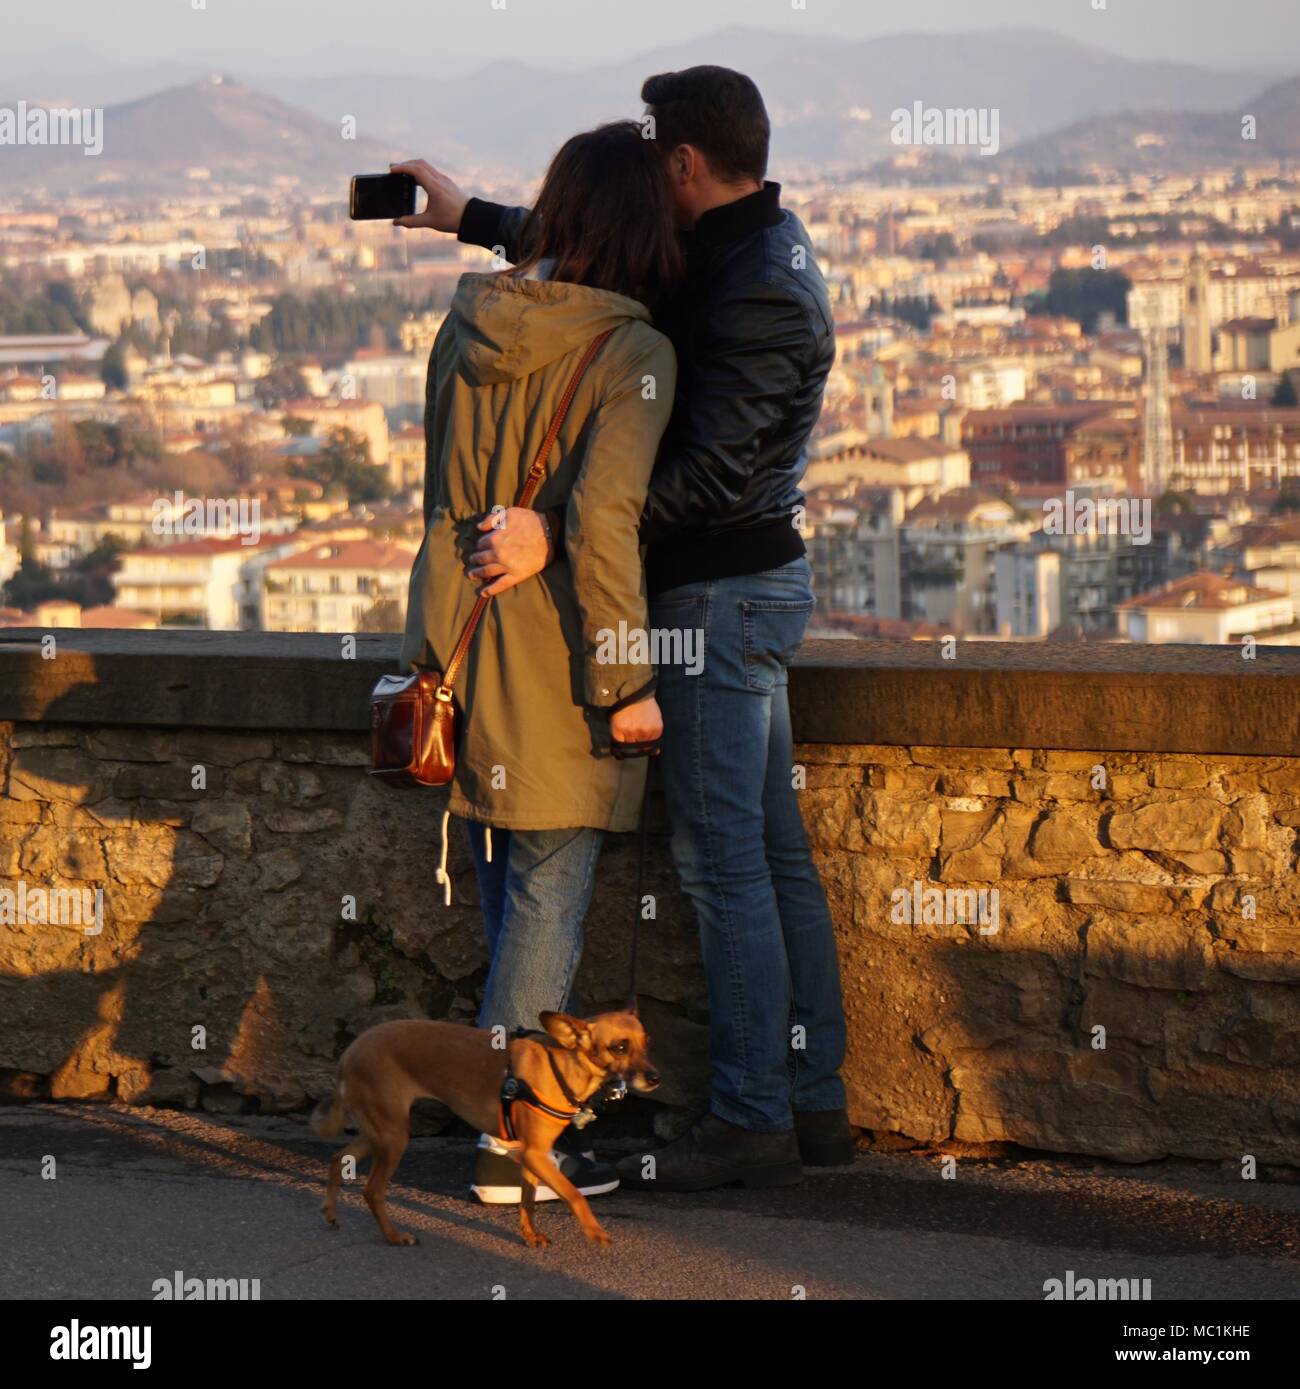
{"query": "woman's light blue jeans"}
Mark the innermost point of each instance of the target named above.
(535, 894)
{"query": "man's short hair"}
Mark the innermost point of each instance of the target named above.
(719, 112)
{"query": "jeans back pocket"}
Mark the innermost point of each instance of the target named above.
(774, 628)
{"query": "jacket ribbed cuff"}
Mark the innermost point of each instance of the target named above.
(609, 686)
(479, 223)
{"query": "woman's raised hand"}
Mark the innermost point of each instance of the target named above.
(446, 203)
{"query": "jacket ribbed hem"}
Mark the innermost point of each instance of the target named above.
(722, 555)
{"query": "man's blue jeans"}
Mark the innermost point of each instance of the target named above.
(776, 1020)
(535, 894)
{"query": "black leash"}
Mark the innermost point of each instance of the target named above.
(640, 881)
(649, 751)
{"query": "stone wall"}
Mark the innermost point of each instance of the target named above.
(261, 888)
(1132, 990)
(1129, 989)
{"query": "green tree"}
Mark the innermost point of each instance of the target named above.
(283, 383)
(383, 616)
(113, 368)
(26, 306)
(1289, 497)
(1172, 503)
(33, 583)
(345, 463)
(102, 445)
(909, 308)
(1086, 294)
(940, 249)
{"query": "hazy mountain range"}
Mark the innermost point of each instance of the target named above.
(233, 131)
(1059, 103)
(1150, 140)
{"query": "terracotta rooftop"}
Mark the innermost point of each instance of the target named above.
(1272, 532)
(909, 450)
(349, 554)
(1042, 414)
(1204, 592)
(191, 549)
(304, 405)
(955, 505)
(110, 616)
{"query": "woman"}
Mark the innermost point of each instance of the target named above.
(535, 779)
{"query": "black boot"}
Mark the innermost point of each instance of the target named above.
(713, 1153)
(825, 1139)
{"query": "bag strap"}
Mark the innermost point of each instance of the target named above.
(527, 491)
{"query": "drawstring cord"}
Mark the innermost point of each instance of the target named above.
(441, 875)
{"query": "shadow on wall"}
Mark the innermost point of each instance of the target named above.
(1069, 1028)
(224, 959)
(263, 902)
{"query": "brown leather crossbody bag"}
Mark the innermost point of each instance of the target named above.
(413, 717)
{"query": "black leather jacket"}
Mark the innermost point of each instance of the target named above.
(755, 341)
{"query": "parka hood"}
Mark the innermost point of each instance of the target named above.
(506, 326)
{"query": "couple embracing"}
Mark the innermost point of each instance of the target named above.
(671, 503)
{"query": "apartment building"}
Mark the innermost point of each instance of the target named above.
(363, 417)
(406, 459)
(1024, 443)
(331, 587)
(947, 557)
(1071, 579)
(394, 380)
(918, 466)
(1208, 609)
(1267, 554)
(162, 519)
(1219, 450)
(192, 584)
(1258, 345)
(1027, 593)
(852, 534)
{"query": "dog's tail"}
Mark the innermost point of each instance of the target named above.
(328, 1117)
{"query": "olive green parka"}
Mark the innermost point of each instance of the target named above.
(548, 662)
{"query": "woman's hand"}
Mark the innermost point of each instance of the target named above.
(446, 203)
(641, 722)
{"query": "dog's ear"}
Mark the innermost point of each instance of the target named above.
(569, 1032)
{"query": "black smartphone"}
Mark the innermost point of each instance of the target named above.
(376, 196)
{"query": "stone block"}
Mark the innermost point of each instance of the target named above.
(1191, 824)
(1160, 953)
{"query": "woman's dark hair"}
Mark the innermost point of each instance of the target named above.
(604, 216)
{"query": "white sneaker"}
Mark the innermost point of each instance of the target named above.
(496, 1174)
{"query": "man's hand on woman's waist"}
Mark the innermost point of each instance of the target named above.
(514, 546)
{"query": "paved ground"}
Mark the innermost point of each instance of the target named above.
(140, 1194)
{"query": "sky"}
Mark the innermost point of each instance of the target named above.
(324, 37)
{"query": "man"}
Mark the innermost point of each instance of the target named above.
(754, 339)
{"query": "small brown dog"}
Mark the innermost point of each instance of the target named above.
(552, 1079)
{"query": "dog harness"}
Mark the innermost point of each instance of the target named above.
(515, 1091)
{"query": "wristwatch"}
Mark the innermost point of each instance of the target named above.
(548, 533)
